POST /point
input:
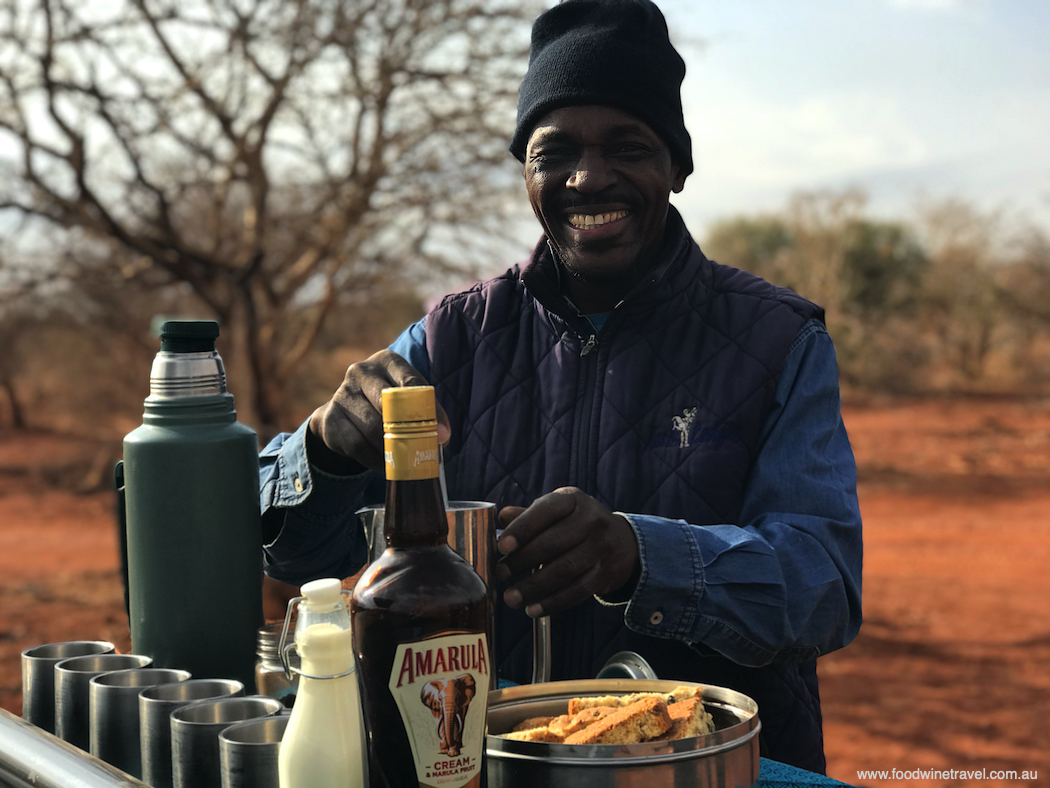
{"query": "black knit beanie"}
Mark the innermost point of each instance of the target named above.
(614, 53)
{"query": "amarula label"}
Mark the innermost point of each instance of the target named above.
(411, 456)
(440, 685)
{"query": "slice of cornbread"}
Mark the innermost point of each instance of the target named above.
(688, 718)
(532, 722)
(576, 705)
(677, 694)
(568, 724)
(682, 693)
(645, 719)
(540, 734)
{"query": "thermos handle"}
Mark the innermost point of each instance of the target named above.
(122, 530)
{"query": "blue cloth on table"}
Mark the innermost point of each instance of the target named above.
(773, 774)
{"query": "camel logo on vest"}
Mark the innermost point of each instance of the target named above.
(682, 424)
(687, 431)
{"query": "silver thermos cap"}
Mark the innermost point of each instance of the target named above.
(187, 364)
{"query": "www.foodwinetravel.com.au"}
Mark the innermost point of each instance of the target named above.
(947, 774)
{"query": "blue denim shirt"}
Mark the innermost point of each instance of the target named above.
(786, 577)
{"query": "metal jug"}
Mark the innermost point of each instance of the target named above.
(471, 533)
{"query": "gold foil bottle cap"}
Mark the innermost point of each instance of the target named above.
(408, 404)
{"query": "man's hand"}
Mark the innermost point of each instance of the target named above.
(584, 550)
(350, 425)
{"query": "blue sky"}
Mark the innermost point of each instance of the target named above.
(910, 100)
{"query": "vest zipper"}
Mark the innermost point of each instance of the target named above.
(585, 414)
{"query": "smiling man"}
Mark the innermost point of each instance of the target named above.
(598, 179)
(662, 433)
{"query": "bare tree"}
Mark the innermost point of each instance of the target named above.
(806, 247)
(267, 155)
(1024, 289)
(962, 304)
(865, 273)
(10, 401)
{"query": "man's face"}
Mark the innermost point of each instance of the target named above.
(599, 180)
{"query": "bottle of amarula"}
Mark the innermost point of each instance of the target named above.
(420, 614)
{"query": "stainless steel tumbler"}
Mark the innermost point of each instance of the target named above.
(38, 677)
(195, 733)
(113, 711)
(72, 679)
(248, 753)
(155, 707)
(471, 533)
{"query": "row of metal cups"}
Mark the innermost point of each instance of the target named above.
(156, 724)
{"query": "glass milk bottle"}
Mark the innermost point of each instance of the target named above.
(323, 745)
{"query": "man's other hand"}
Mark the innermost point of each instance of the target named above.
(349, 427)
(576, 547)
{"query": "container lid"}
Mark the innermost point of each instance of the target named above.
(187, 364)
(409, 403)
(188, 336)
(326, 591)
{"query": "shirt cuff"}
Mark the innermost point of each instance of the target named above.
(621, 596)
(318, 535)
(666, 602)
(316, 493)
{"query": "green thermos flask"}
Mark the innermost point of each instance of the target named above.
(191, 486)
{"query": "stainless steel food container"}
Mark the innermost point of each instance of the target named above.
(725, 758)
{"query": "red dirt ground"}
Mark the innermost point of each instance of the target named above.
(951, 669)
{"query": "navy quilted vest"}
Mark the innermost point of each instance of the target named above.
(534, 406)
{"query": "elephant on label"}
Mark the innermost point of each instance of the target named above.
(448, 701)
